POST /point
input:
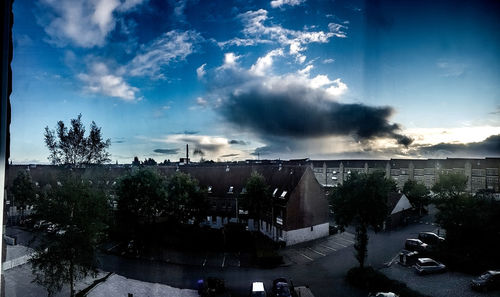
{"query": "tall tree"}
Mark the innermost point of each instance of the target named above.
(141, 198)
(257, 199)
(417, 193)
(450, 185)
(186, 200)
(362, 201)
(70, 146)
(24, 190)
(78, 215)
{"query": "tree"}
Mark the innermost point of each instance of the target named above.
(78, 216)
(450, 185)
(186, 200)
(362, 201)
(257, 199)
(136, 161)
(72, 147)
(149, 162)
(141, 198)
(472, 231)
(417, 193)
(24, 190)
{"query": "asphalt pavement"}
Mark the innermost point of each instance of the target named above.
(325, 275)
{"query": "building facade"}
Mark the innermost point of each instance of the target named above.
(481, 173)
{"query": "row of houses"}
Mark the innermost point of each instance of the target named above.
(300, 210)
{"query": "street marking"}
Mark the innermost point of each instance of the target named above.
(205, 261)
(321, 254)
(223, 260)
(349, 241)
(339, 244)
(111, 248)
(305, 256)
(327, 247)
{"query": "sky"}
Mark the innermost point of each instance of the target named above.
(269, 79)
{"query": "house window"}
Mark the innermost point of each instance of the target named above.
(244, 190)
(230, 190)
(283, 194)
(209, 189)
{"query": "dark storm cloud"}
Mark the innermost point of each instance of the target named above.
(229, 155)
(489, 147)
(301, 112)
(199, 144)
(167, 151)
(240, 142)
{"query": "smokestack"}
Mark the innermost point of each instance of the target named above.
(187, 153)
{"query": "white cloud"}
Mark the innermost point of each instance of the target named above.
(230, 60)
(264, 63)
(200, 71)
(450, 68)
(257, 31)
(170, 47)
(101, 81)
(337, 30)
(328, 61)
(338, 88)
(201, 102)
(83, 23)
(280, 3)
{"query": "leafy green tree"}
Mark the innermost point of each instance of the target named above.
(24, 190)
(66, 252)
(257, 199)
(362, 201)
(472, 231)
(186, 200)
(141, 198)
(417, 193)
(71, 146)
(450, 185)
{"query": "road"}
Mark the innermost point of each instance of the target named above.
(325, 276)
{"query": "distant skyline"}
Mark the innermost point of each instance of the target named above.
(279, 79)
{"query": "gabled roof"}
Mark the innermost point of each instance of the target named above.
(397, 202)
(221, 178)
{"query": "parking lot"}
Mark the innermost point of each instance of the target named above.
(436, 285)
(308, 252)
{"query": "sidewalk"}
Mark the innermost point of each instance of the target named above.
(117, 285)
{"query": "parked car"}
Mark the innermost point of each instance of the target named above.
(430, 238)
(490, 280)
(408, 258)
(211, 287)
(281, 288)
(428, 265)
(415, 245)
(383, 294)
(258, 290)
(333, 229)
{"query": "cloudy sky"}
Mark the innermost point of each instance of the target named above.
(276, 79)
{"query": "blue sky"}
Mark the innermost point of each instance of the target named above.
(278, 79)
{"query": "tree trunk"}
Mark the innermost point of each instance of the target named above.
(71, 279)
(361, 244)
